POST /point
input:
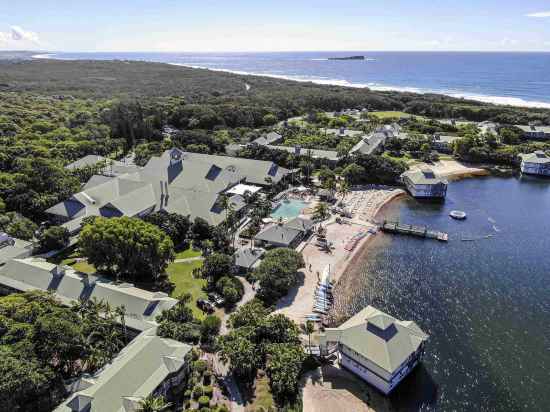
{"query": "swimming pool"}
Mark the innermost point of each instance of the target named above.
(289, 209)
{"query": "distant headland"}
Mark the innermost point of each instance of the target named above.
(348, 58)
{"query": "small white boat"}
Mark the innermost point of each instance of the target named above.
(458, 214)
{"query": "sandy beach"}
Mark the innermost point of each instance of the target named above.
(364, 203)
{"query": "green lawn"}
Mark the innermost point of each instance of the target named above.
(69, 258)
(188, 253)
(181, 275)
(390, 114)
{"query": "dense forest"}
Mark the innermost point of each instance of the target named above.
(54, 112)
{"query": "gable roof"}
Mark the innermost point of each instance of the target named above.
(370, 143)
(177, 181)
(68, 285)
(301, 224)
(278, 234)
(247, 257)
(267, 139)
(425, 176)
(380, 338)
(538, 157)
(133, 375)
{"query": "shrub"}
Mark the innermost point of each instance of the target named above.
(204, 401)
(187, 394)
(54, 238)
(197, 391)
(200, 366)
(207, 391)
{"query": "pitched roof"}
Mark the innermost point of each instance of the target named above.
(133, 375)
(68, 285)
(380, 338)
(301, 224)
(247, 257)
(13, 248)
(267, 139)
(423, 176)
(278, 234)
(177, 181)
(314, 153)
(370, 143)
(539, 157)
(534, 129)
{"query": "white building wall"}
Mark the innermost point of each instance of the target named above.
(535, 168)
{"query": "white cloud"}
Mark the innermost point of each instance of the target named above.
(541, 14)
(4, 37)
(18, 34)
(507, 42)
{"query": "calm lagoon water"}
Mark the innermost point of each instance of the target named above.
(485, 303)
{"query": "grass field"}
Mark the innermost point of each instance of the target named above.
(188, 253)
(181, 275)
(389, 115)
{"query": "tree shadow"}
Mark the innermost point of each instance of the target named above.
(289, 298)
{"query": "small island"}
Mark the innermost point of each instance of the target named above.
(348, 58)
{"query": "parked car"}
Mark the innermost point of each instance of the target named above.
(216, 299)
(205, 305)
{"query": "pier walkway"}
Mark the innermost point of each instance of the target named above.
(412, 230)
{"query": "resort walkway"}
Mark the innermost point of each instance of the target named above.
(191, 259)
(237, 403)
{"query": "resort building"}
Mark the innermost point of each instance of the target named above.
(343, 132)
(268, 139)
(288, 234)
(68, 285)
(12, 248)
(537, 163)
(535, 132)
(246, 259)
(330, 155)
(109, 167)
(424, 183)
(376, 347)
(190, 184)
(443, 143)
(149, 365)
(374, 142)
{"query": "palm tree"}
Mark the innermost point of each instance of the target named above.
(121, 313)
(320, 212)
(309, 328)
(330, 184)
(344, 189)
(153, 404)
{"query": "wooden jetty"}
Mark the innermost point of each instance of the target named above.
(413, 230)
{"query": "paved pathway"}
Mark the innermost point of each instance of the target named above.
(191, 259)
(237, 403)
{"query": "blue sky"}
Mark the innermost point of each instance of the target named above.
(188, 25)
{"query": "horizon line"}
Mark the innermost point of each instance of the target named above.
(273, 51)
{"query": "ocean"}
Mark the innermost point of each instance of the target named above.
(521, 79)
(484, 302)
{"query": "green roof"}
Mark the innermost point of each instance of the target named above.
(424, 176)
(142, 307)
(133, 375)
(180, 182)
(536, 157)
(379, 337)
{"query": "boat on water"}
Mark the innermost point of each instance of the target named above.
(458, 214)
